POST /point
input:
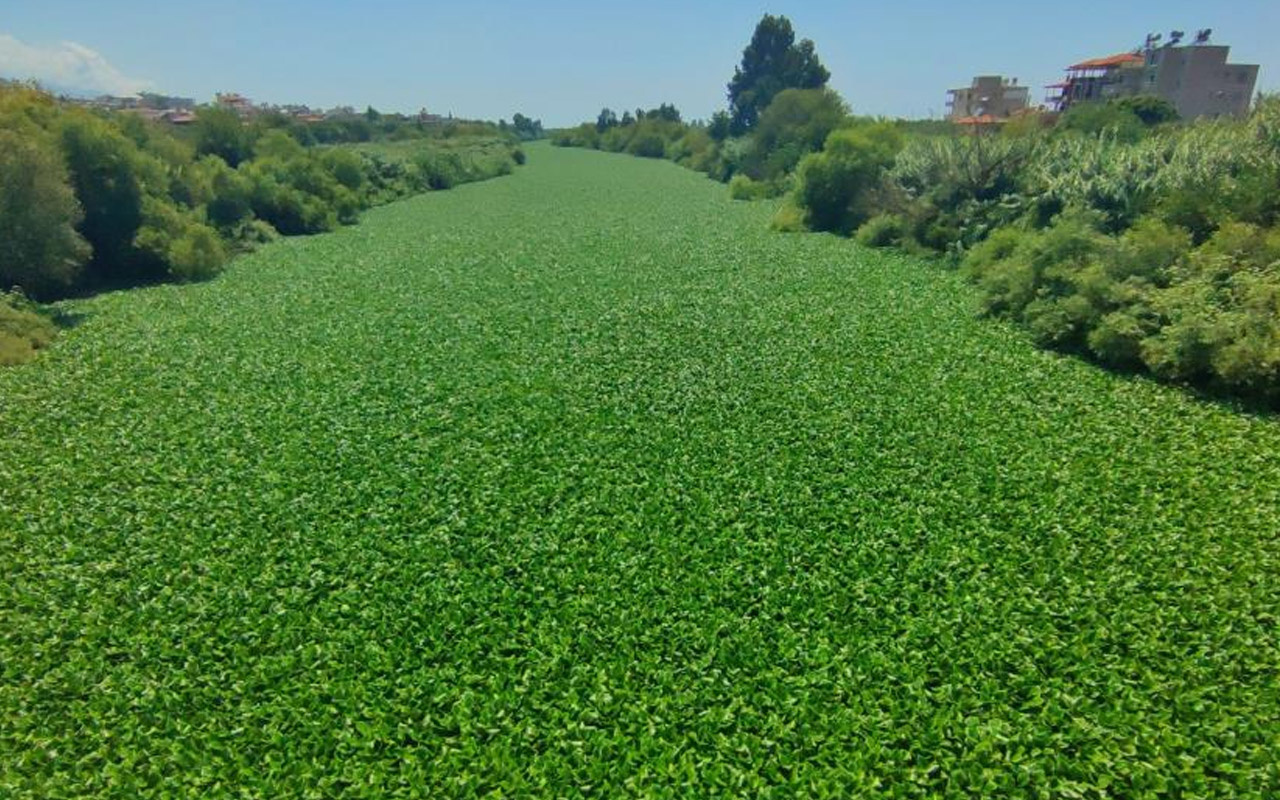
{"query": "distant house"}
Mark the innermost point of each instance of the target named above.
(1196, 79)
(989, 96)
(111, 103)
(235, 102)
(150, 114)
(173, 116)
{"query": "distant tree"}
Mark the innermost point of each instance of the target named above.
(720, 125)
(627, 119)
(107, 174)
(526, 128)
(371, 114)
(606, 120)
(797, 122)
(666, 112)
(773, 61)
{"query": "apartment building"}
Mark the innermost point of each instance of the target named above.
(989, 96)
(1197, 79)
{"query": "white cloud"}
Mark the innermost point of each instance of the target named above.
(66, 65)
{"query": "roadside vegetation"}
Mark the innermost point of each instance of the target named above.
(91, 201)
(1115, 232)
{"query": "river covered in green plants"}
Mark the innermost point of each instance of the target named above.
(582, 482)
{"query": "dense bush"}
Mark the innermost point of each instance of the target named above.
(647, 144)
(743, 188)
(23, 329)
(836, 187)
(796, 123)
(437, 170)
(1117, 120)
(1147, 297)
(883, 230)
(219, 132)
(39, 246)
(98, 200)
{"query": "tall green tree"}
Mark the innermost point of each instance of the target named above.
(219, 132)
(772, 62)
(39, 247)
(606, 120)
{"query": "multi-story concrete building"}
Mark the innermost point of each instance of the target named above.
(988, 96)
(1097, 79)
(1196, 79)
(1199, 81)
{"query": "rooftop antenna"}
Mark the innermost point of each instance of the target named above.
(1202, 36)
(1152, 39)
(1175, 37)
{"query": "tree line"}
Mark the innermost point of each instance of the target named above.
(92, 200)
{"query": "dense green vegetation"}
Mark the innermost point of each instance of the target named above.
(1114, 232)
(91, 201)
(23, 330)
(1143, 248)
(583, 483)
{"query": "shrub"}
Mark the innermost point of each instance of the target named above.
(197, 255)
(219, 132)
(287, 209)
(789, 218)
(833, 186)
(23, 330)
(249, 233)
(694, 149)
(1149, 109)
(346, 167)
(437, 171)
(956, 191)
(647, 144)
(186, 247)
(1221, 315)
(796, 123)
(110, 178)
(743, 188)
(230, 200)
(1092, 119)
(884, 230)
(1118, 336)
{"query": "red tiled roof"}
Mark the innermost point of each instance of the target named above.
(1118, 60)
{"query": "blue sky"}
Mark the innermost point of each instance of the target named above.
(562, 60)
